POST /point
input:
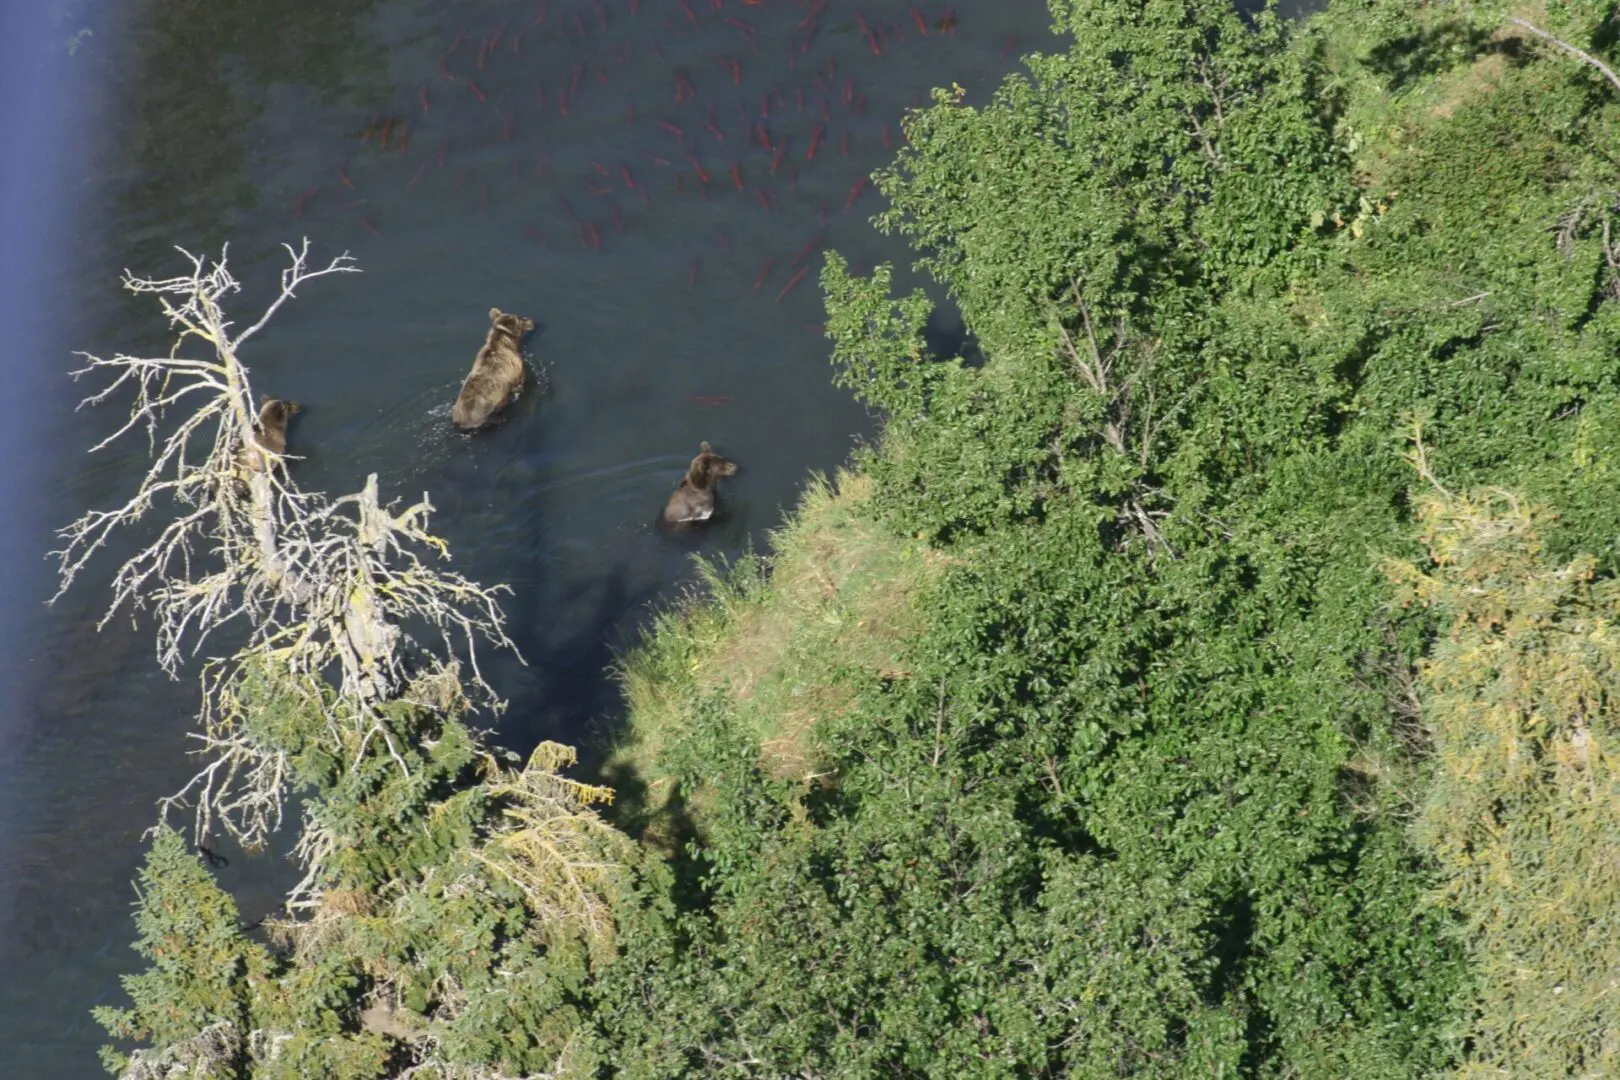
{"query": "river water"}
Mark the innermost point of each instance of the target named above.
(646, 180)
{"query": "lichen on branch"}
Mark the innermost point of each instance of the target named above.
(324, 585)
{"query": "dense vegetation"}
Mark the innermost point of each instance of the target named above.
(1200, 687)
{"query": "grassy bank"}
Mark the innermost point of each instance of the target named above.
(783, 639)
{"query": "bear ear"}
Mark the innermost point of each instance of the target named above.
(705, 448)
(494, 314)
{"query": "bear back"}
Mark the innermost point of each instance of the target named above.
(497, 373)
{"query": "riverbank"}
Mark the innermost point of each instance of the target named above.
(784, 639)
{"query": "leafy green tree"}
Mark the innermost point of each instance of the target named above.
(1138, 803)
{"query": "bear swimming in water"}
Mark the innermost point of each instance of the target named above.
(497, 373)
(270, 432)
(693, 501)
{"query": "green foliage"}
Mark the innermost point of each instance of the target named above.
(1023, 866)
(1087, 219)
(459, 906)
(453, 912)
(194, 1001)
(1138, 803)
(1523, 816)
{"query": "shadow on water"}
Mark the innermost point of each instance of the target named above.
(946, 336)
(569, 658)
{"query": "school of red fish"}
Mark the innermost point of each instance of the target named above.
(774, 98)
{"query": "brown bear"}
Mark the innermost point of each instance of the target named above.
(693, 501)
(497, 373)
(270, 433)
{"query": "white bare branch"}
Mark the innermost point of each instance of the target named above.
(204, 1054)
(1094, 362)
(1564, 46)
(291, 278)
(1096, 359)
(324, 588)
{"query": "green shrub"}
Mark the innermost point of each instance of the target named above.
(1523, 815)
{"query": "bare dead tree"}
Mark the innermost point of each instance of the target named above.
(202, 1055)
(1418, 457)
(1611, 256)
(1096, 361)
(1214, 84)
(324, 586)
(215, 400)
(1114, 366)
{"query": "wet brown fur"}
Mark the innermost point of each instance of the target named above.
(693, 501)
(497, 373)
(270, 432)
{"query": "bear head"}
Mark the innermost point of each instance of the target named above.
(277, 410)
(506, 322)
(710, 466)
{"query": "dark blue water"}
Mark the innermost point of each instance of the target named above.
(195, 123)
